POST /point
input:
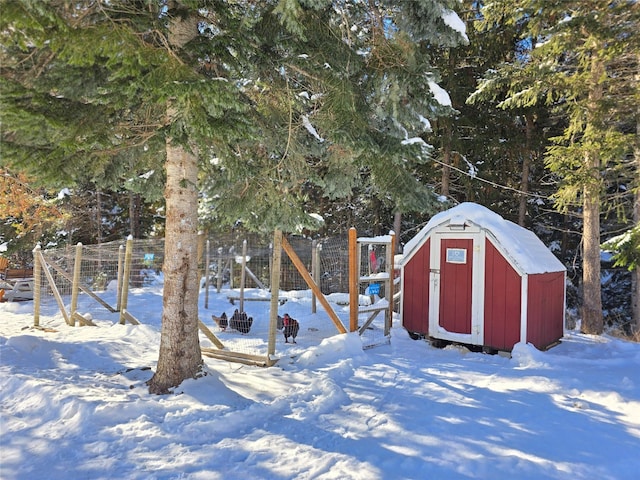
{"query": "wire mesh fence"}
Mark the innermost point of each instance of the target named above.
(100, 267)
(225, 253)
(377, 287)
(235, 276)
(239, 268)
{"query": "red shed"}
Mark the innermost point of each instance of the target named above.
(472, 277)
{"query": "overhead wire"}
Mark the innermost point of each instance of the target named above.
(490, 182)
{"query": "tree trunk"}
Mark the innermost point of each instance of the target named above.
(134, 215)
(526, 168)
(635, 273)
(592, 321)
(99, 216)
(446, 159)
(397, 227)
(180, 356)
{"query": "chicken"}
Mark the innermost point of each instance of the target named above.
(241, 322)
(291, 328)
(222, 321)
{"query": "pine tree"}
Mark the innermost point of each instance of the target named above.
(568, 67)
(344, 92)
(108, 91)
(517, 150)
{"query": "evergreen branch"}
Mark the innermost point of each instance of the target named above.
(303, 72)
(44, 64)
(290, 125)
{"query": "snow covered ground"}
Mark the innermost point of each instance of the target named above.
(74, 405)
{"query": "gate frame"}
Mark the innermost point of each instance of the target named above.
(355, 279)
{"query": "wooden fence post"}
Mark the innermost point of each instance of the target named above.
(220, 270)
(390, 287)
(207, 260)
(119, 279)
(314, 273)
(124, 294)
(354, 284)
(37, 295)
(243, 274)
(275, 293)
(75, 284)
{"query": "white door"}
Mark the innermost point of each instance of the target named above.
(457, 287)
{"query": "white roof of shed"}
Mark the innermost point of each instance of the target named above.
(523, 246)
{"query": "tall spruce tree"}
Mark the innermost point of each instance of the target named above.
(275, 103)
(92, 89)
(338, 117)
(569, 68)
(516, 146)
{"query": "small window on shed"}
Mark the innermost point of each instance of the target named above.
(456, 255)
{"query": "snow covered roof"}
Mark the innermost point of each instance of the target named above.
(523, 247)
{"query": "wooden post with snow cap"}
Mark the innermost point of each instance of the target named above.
(37, 295)
(124, 293)
(75, 284)
(119, 279)
(354, 284)
(275, 293)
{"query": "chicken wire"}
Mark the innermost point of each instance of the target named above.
(224, 259)
(222, 274)
(225, 263)
(331, 275)
(99, 267)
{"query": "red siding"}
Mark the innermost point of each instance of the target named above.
(502, 301)
(545, 311)
(456, 287)
(415, 307)
(502, 297)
